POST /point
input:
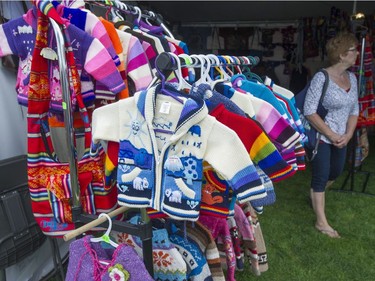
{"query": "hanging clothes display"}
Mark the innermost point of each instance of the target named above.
(198, 140)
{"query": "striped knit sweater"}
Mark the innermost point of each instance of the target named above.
(17, 37)
(137, 66)
(276, 127)
(112, 33)
(91, 24)
(203, 237)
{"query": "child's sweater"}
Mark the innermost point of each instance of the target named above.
(163, 144)
(18, 37)
(123, 262)
(277, 128)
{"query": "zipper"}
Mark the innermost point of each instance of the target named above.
(159, 177)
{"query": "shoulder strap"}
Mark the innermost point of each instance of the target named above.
(325, 86)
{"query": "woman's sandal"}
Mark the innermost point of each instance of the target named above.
(331, 233)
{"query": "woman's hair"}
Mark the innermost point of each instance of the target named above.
(339, 45)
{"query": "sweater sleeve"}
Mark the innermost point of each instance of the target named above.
(261, 150)
(5, 48)
(239, 171)
(136, 64)
(99, 64)
(105, 123)
(100, 32)
(273, 123)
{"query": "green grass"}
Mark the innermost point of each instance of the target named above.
(296, 251)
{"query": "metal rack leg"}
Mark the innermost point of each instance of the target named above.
(147, 255)
(57, 261)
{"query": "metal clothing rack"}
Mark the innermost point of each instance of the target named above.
(143, 230)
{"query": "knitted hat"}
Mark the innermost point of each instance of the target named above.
(168, 262)
(203, 237)
(197, 267)
(219, 228)
(258, 235)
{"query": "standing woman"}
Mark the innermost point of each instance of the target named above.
(341, 101)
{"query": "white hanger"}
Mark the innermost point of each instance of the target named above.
(139, 13)
(105, 237)
(278, 89)
(207, 68)
(223, 74)
(152, 14)
(182, 83)
(203, 70)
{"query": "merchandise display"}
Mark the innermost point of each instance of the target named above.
(184, 148)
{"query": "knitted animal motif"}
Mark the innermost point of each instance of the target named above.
(25, 65)
(173, 164)
(140, 184)
(173, 196)
(55, 84)
(207, 197)
(195, 130)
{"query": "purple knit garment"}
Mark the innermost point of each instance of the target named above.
(84, 262)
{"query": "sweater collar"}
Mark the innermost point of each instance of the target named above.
(193, 111)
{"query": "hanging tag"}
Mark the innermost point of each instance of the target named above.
(48, 53)
(165, 107)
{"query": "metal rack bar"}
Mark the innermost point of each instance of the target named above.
(144, 231)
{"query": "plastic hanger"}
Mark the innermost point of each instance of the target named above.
(165, 64)
(198, 62)
(138, 12)
(189, 65)
(224, 77)
(237, 64)
(228, 63)
(207, 69)
(105, 237)
(251, 76)
(182, 83)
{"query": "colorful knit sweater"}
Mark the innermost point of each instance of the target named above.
(112, 33)
(258, 90)
(276, 127)
(203, 237)
(123, 262)
(89, 23)
(18, 37)
(136, 64)
(163, 144)
(197, 267)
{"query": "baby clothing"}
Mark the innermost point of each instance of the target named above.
(90, 261)
(18, 38)
(162, 145)
(197, 267)
(168, 262)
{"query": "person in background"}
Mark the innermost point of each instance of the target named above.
(341, 101)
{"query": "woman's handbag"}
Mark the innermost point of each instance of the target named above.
(48, 178)
(312, 135)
